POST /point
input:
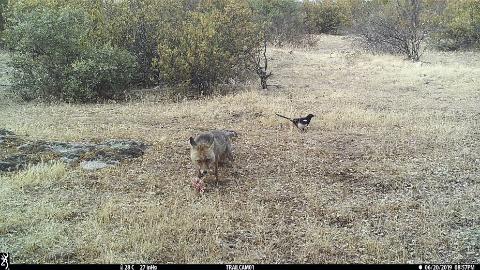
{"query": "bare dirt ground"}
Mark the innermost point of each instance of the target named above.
(389, 171)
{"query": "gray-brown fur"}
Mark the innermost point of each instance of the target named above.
(211, 148)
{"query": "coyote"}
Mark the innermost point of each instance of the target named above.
(209, 149)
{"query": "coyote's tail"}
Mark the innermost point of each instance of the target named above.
(284, 117)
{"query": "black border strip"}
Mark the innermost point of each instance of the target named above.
(245, 266)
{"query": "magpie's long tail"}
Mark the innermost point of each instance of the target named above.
(284, 117)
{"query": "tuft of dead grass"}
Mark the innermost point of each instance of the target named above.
(39, 174)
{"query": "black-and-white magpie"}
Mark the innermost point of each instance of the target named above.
(301, 123)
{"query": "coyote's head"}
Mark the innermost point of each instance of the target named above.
(202, 156)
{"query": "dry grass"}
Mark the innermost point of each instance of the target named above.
(388, 172)
(41, 174)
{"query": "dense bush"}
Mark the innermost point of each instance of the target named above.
(134, 25)
(207, 44)
(77, 50)
(458, 26)
(281, 20)
(324, 17)
(100, 73)
(53, 57)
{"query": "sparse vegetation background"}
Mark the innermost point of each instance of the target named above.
(457, 25)
(388, 171)
(99, 50)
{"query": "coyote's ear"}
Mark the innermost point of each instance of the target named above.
(192, 142)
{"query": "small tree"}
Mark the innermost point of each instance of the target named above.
(279, 21)
(394, 26)
(259, 62)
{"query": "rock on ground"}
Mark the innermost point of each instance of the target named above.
(16, 152)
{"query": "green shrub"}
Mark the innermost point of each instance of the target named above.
(282, 20)
(459, 26)
(134, 25)
(324, 17)
(206, 45)
(44, 43)
(53, 57)
(100, 73)
(77, 50)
